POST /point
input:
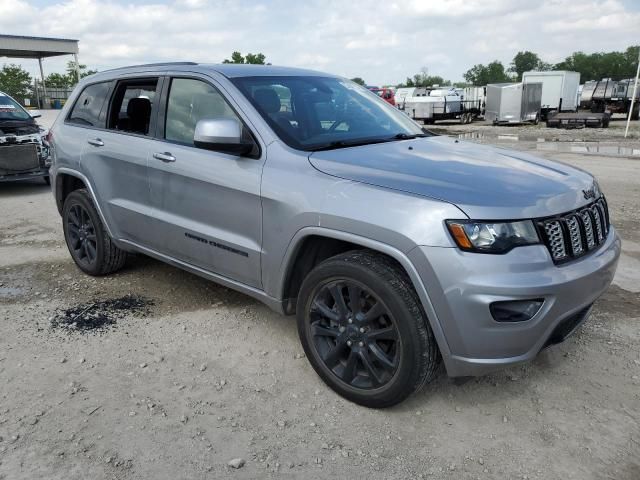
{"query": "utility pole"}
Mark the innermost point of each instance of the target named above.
(633, 98)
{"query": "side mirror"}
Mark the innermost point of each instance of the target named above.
(221, 135)
(35, 113)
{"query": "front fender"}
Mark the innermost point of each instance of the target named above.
(401, 257)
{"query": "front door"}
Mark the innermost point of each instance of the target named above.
(207, 206)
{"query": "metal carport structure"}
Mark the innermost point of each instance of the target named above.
(15, 46)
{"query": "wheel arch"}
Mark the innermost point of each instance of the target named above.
(306, 250)
(68, 180)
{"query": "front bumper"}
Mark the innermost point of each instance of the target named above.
(24, 160)
(44, 172)
(462, 285)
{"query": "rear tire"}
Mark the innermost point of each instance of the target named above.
(89, 244)
(364, 330)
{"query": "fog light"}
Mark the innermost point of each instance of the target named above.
(515, 310)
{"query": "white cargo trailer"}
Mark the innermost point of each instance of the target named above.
(513, 103)
(559, 90)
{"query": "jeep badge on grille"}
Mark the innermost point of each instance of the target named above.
(589, 193)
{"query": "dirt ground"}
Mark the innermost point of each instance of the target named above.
(199, 375)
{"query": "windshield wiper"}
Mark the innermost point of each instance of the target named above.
(409, 136)
(344, 144)
(356, 143)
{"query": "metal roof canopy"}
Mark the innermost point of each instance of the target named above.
(36, 47)
(16, 46)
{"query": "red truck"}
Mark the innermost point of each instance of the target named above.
(386, 93)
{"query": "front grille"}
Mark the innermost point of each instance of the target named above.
(18, 158)
(576, 233)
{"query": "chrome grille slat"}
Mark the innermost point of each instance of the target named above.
(556, 240)
(598, 217)
(588, 227)
(575, 233)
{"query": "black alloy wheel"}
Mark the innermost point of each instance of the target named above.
(354, 334)
(82, 236)
(364, 330)
(89, 243)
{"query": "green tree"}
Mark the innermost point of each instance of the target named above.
(525, 62)
(631, 56)
(359, 81)
(72, 73)
(481, 75)
(595, 66)
(236, 57)
(423, 79)
(56, 80)
(15, 81)
(256, 59)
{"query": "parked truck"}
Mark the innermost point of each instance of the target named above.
(610, 96)
(559, 90)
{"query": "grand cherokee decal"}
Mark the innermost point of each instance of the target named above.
(215, 244)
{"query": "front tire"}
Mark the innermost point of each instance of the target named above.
(364, 330)
(89, 244)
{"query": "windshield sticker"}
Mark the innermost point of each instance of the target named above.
(8, 107)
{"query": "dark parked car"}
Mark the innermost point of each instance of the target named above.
(24, 152)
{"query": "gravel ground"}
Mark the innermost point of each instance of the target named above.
(155, 373)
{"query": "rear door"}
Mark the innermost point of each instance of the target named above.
(207, 205)
(116, 157)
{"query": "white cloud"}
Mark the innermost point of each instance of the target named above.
(381, 41)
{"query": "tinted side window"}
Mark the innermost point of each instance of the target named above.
(86, 110)
(189, 101)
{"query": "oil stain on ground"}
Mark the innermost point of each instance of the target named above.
(100, 315)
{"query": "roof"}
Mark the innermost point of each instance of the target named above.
(229, 70)
(232, 70)
(549, 73)
(36, 47)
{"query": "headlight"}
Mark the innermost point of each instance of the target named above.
(485, 237)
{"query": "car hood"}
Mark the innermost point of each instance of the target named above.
(486, 182)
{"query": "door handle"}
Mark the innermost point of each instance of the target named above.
(165, 157)
(96, 142)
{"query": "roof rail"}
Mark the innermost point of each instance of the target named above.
(161, 64)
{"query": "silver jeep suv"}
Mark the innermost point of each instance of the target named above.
(396, 248)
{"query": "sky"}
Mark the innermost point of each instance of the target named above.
(380, 41)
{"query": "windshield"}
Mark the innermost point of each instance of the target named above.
(11, 110)
(311, 113)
